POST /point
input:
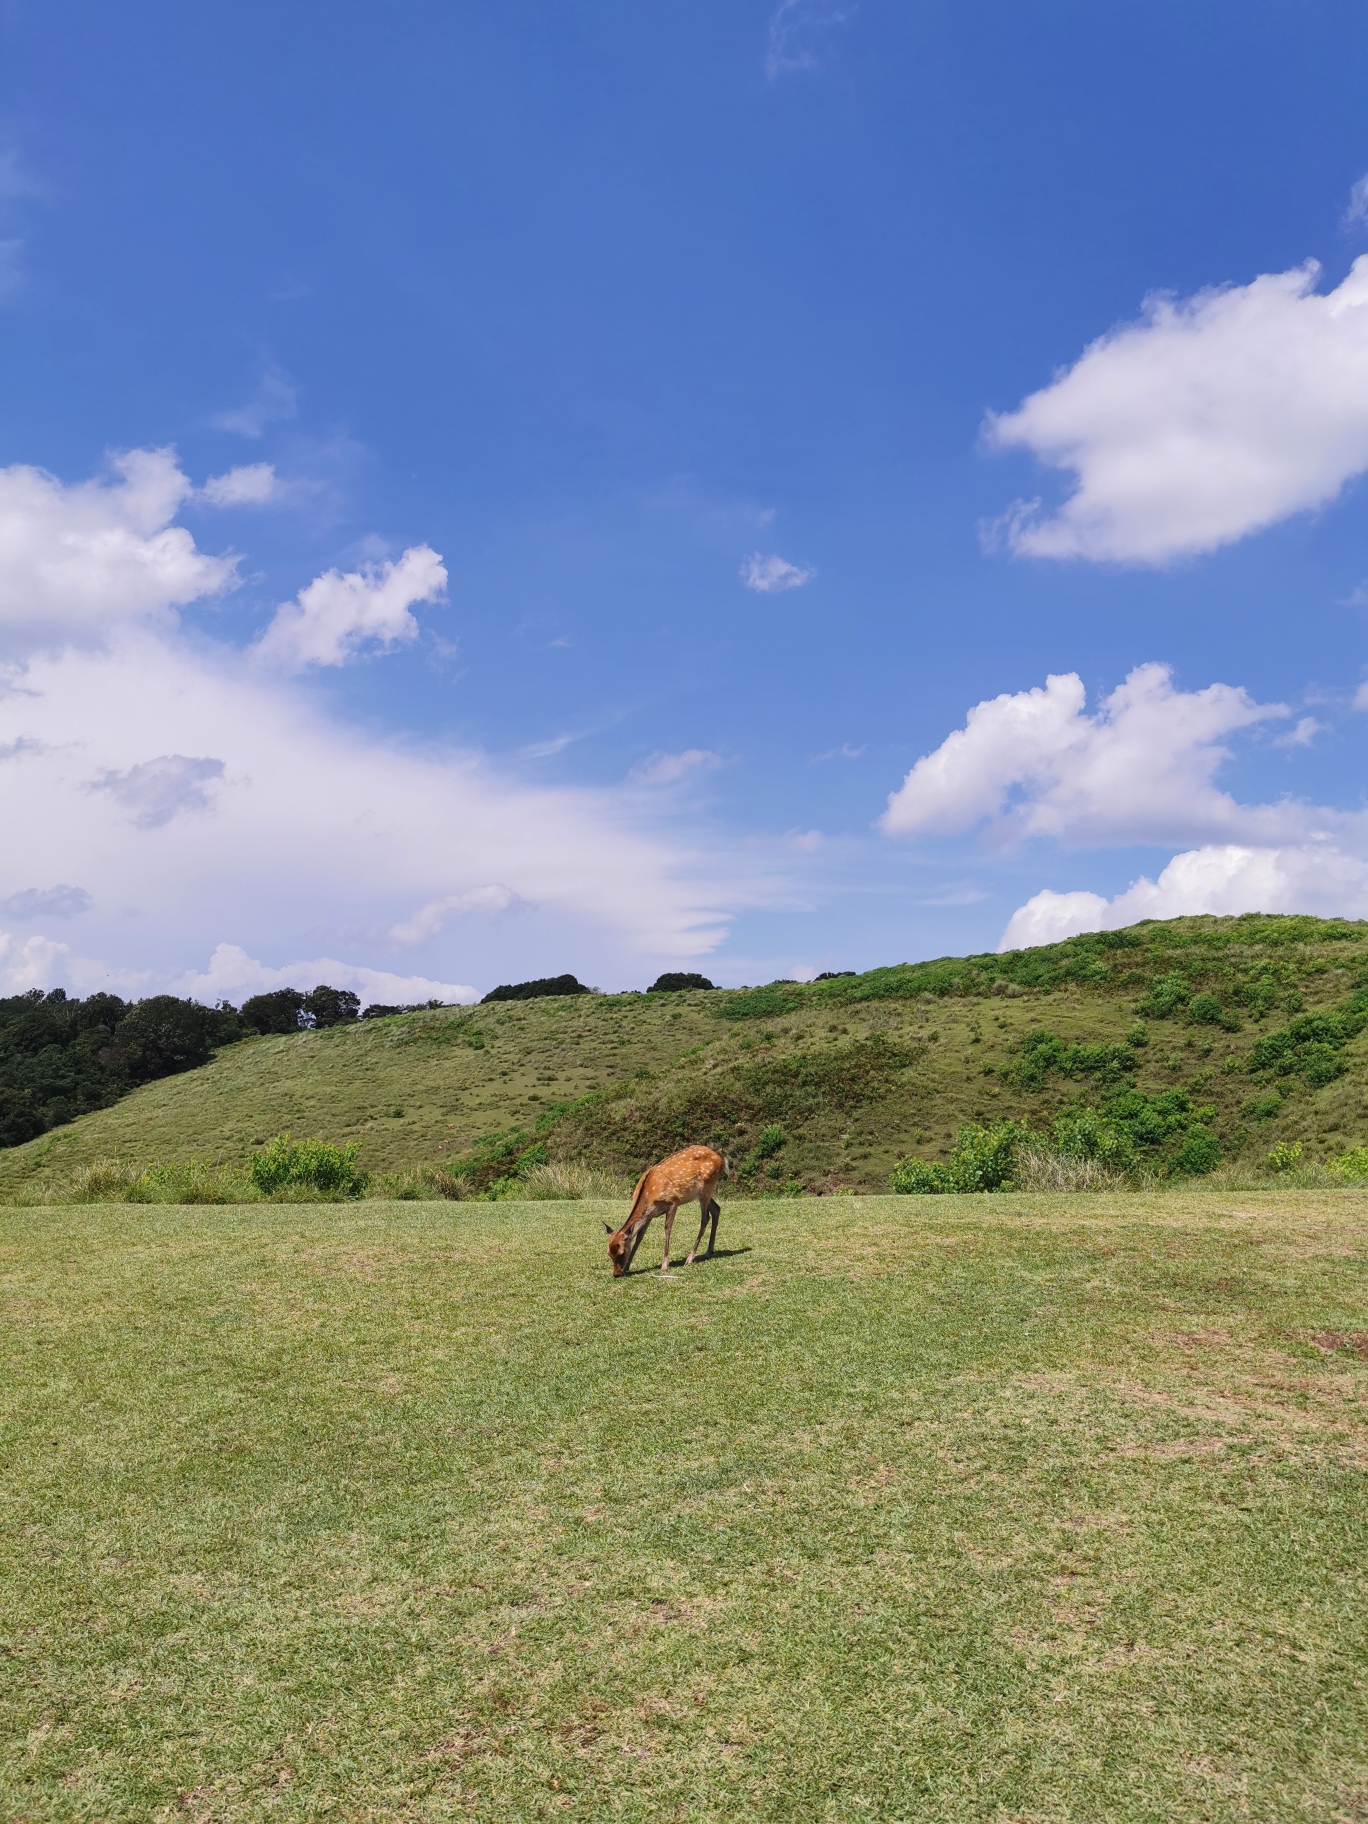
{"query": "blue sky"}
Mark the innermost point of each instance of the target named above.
(605, 308)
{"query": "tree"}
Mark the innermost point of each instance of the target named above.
(675, 983)
(163, 1035)
(278, 1011)
(331, 1006)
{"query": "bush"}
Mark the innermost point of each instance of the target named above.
(535, 991)
(284, 1164)
(1353, 1164)
(1206, 1010)
(1084, 1134)
(1169, 993)
(921, 1178)
(1285, 1156)
(982, 1161)
(676, 983)
(770, 1141)
(1199, 1154)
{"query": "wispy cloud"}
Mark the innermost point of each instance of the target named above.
(771, 575)
(668, 769)
(1356, 215)
(274, 400)
(844, 752)
(795, 29)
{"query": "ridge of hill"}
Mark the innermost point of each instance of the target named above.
(1257, 1026)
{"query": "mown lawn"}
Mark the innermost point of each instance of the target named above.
(922, 1509)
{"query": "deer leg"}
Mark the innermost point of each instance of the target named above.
(715, 1212)
(669, 1229)
(636, 1242)
(703, 1206)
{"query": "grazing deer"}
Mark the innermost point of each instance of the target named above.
(682, 1178)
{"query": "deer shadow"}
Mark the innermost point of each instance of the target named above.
(635, 1271)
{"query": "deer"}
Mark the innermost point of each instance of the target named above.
(684, 1177)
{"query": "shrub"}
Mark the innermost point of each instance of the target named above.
(1084, 1134)
(1285, 1156)
(982, 1161)
(921, 1178)
(1168, 994)
(1353, 1164)
(1309, 1046)
(770, 1141)
(285, 1164)
(677, 982)
(535, 991)
(1199, 1154)
(1206, 1010)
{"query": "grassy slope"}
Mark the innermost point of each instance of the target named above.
(855, 1071)
(952, 1509)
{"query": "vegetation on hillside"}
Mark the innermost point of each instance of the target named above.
(1184, 1043)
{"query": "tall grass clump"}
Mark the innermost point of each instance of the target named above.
(286, 1168)
(570, 1182)
(186, 1181)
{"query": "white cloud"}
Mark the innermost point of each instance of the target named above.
(771, 575)
(34, 966)
(214, 801)
(319, 835)
(232, 975)
(1141, 770)
(1211, 417)
(669, 769)
(1357, 212)
(336, 614)
(1226, 879)
(428, 920)
(1303, 734)
(82, 558)
(253, 485)
(275, 399)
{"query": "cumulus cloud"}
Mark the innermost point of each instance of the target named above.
(1225, 879)
(771, 575)
(1209, 418)
(1141, 769)
(34, 965)
(47, 902)
(232, 975)
(83, 558)
(250, 486)
(669, 769)
(338, 614)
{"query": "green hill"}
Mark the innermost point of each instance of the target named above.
(1256, 1028)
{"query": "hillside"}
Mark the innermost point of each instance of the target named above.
(1256, 1026)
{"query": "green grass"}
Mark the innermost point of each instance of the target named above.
(808, 1087)
(939, 1509)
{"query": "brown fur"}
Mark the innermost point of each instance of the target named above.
(685, 1177)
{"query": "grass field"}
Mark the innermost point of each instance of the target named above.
(920, 1509)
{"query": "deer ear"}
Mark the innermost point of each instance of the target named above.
(607, 1228)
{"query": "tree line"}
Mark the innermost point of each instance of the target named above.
(61, 1056)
